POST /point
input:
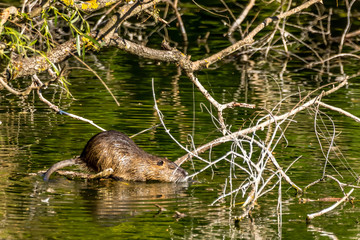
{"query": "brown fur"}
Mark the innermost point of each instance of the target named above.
(113, 149)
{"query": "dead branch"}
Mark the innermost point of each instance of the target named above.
(174, 5)
(338, 110)
(197, 65)
(58, 110)
(37, 64)
(340, 184)
(33, 65)
(241, 17)
(260, 126)
(326, 210)
(249, 156)
(346, 30)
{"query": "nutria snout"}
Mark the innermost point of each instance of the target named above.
(113, 149)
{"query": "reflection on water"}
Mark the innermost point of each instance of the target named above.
(120, 200)
(33, 138)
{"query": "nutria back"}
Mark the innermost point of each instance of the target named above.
(113, 149)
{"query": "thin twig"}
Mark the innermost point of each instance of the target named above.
(241, 17)
(243, 132)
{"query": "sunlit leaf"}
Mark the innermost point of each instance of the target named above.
(78, 44)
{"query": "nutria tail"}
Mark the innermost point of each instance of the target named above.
(62, 164)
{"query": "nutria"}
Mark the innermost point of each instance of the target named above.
(113, 149)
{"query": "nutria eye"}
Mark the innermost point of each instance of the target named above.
(160, 163)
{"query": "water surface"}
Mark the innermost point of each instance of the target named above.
(32, 138)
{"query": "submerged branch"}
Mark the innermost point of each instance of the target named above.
(326, 210)
(73, 175)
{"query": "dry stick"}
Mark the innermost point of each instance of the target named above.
(323, 33)
(341, 185)
(332, 137)
(168, 130)
(312, 184)
(186, 64)
(257, 192)
(279, 181)
(217, 105)
(52, 106)
(254, 195)
(16, 92)
(332, 57)
(312, 92)
(97, 75)
(346, 30)
(277, 165)
(180, 21)
(305, 44)
(249, 38)
(206, 10)
(104, 15)
(352, 34)
(267, 152)
(58, 110)
(244, 132)
(228, 9)
(326, 210)
(241, 17)
(338, 110)
(142, 131)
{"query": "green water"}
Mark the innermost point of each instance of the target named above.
(32, 138)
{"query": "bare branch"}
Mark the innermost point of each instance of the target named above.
(241, 17)
(58, 110)
(240, 133)
(338, 110)
(250, 37)
(326, 210)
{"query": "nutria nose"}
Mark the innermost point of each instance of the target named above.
(184, 172)
(180, 169)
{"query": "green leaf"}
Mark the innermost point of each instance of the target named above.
(33, 42)
(78, 45)
(75, 20)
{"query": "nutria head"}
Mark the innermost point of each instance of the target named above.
(113, 149)
(163, 170)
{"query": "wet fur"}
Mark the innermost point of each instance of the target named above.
(113, 149)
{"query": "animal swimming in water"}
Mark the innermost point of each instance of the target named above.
(113, 149)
